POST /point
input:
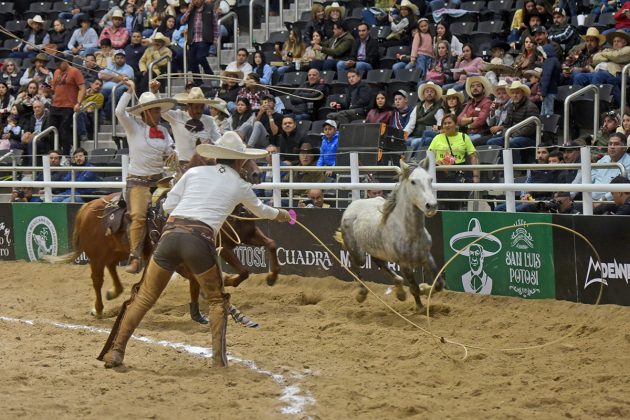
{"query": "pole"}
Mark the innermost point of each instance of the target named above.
(587, 197)
(354, 174)
(508, 176)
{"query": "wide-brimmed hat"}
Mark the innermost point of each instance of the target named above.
(452, 92)
(335, 6)
(159, 36)
(308, 147)
(593, 32)
(518, 85)
(195, 96)
(220, 105)
(409, 5)
(233, 74)
(149, 100)
(36, 19)
(502, 84)
(117, 14)
(496, 65)
(487, 86)
(41, 57)
(229, 146)
(436, 88)
(534, 72)
(622, 34)
(490, 244)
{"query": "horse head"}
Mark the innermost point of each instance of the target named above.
(417, 184)
(250, 172)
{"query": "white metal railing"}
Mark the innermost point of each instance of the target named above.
(235, 29)
(38, 136)
(186, 59)
(75, 128)
(624, 86)
(168, 71)
(527, 121)
(251, 22)
(567, 110)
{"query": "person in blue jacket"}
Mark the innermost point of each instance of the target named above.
(328, 148)
(79, 158)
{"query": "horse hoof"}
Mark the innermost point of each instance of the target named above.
(112, 294)
(401, 295)
(361, 295)
(96, 313)
(271, 279)
(425, 289)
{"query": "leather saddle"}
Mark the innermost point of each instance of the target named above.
(114, 215)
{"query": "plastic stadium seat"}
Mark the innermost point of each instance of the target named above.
(102, 157)
(379, 77)
(293, 79)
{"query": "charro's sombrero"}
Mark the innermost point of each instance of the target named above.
(490, 243)
(517, 85)
(220, 105)
(454, 93)
(195, 96)
(159, 36)
(620, 34)
(487, 86)
(36, 19)
(41, 57)
(496, 65)
(148, 100)
(335, 6)
(229, 146)
(431, 85)
(594, 33)
(535, 72)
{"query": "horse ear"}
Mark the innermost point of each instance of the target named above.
(424, 164)
(406, 169)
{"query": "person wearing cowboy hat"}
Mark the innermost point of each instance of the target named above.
(477, 109)
(38, 71)
(580, 58)
(219, 112)
(35, 39)
(198, 206)
(608, 64)
(158, 49)
(336, 48)
(520, 109)
(498, 112)
(187, 134)
(84, 39)
(333, 13)
(427, 114)
(149, 146)
(117, 33)
(200, 37)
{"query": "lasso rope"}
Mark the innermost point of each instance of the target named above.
(428, 331)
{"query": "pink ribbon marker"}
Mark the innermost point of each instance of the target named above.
(293, 216)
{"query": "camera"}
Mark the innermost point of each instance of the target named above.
(308, 204)
(20, 194)
(548, 206)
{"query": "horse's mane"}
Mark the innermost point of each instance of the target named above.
(390, 204)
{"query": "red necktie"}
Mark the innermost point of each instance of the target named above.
(155, 133)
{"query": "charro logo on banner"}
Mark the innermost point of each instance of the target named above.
(41, 238)
(513, 262)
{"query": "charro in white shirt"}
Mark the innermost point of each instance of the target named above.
(210, 194)
(145, 154)
(185, 141)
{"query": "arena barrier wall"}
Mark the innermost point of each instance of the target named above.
(532, 262)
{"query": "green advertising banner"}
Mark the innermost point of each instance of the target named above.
(40, 229)
(513, 262)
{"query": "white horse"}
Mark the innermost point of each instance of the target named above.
(393, 230)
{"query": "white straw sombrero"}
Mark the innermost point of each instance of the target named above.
(148, 100)
(229, 146)
(195, 96)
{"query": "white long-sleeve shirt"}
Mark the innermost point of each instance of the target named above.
(146, 155)
(185, 141)
(210, 194)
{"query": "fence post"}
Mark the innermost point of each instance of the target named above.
(47, 178)
(275, 177)
(587, 197)
(354, 174)
(508, 176)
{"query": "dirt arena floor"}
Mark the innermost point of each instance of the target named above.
(318, 354)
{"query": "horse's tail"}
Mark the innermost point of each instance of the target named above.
(339, 237)
(71, 256)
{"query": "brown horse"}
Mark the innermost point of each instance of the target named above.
(107, 249)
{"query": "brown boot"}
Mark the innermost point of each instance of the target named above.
(143, 297)
(134, 266)
(218, 325)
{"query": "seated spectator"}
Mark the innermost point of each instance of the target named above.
(36, 39)
(518, 22)
(134, 51)
(11, 75)
(315, 200)
(621, 198)
(498, 56)
(381, 111)
(54, 157)
(580, 58)
(334, 13)
(105, 56)
(38, 72)
(533, 77)
(600, 142)
(467, 65)
(24, 194)
(562, 31)
(360, 94)
(230, 88)
(497, 114)
(530, 57)
(443, 33)
(117, 32)
(292, 53)
(90, 70)
(44, 94)
(452, 148)
(542, 39)
(561, 203)
(288, 140)
(316, 24)
(59, 36)
(240, 65)
(451, 104)
(158, 49)
(543, 8)
(328, 148)
(532, 21)
(622, 17)
(363, 55)
(253, 91)
(266, 124)
(84, 40)
(242, 115)
(617, 147)
(85, 119)
(402, 22)
(113, 75)
(6, 102)
(313, 52)
(303, 107)
(520, 109)
(427, 114)
(262, 69)
(79, 158)
(439, 69)
(11, 133)
(335, 48)
(35, 124)
(25, 99)
(308, 156)
(220, 113)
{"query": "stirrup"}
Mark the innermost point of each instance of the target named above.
(134, 266)
(241, 318)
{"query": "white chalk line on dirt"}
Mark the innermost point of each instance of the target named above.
(291, 392)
